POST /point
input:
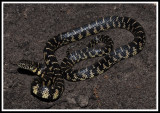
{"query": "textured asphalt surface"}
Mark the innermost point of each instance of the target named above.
(130, 84)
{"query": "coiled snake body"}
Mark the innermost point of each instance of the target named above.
(50, 83)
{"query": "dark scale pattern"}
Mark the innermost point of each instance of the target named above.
(50, 84)
(118, 54)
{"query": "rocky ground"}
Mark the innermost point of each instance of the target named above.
(130, 84)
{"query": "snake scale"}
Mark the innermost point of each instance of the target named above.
(50, 83)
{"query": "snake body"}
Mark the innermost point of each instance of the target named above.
(50, 83)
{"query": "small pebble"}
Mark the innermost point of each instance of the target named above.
(83, 100)
(71, 100)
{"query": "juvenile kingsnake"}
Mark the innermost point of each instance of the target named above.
(50, 84)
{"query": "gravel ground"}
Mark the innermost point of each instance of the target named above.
(130, 84)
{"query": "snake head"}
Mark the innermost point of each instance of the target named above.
(32, 66)
(28, 65)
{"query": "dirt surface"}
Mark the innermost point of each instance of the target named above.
(130, 84)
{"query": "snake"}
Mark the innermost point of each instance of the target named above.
(49, 85)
